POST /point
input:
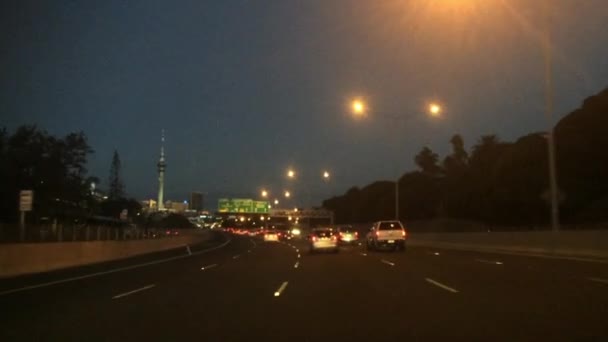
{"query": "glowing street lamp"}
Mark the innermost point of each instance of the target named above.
(276, 202)
(264, 193)
(325, 175)
(291, 173)
(287, 194)
(358, 107)
(435, 109)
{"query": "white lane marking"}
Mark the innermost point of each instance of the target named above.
(489, 262)
(298, 255)
(121, 269)
(364, 254)
(188, 249)
(134, 291)
(253, 242)
(599, 280)
(297, 250)
(360, 244)
(208, 267)
(281, 289)
(388, 262)
(438, 284)
(296, 265)
(236, 256)
(436, 253)
(249, 251)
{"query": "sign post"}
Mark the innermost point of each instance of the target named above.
(26, 198)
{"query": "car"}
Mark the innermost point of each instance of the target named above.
(389, 234)
(323, 239)
(271, 236)
(347, 235)
(171, 232)
(285, 234)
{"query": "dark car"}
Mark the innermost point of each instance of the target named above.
(347, 235)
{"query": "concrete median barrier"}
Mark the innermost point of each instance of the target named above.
(25, 258)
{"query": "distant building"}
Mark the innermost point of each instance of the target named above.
(176, 207)
(196, 202)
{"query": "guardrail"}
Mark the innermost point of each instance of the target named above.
(67, 232)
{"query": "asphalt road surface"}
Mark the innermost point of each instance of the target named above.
(242, 289)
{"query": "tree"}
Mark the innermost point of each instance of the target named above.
(427, 160)
(456, 163)
(54, 167)
(116, 188)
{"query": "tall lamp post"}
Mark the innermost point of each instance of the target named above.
(547, 49)
(359, 110)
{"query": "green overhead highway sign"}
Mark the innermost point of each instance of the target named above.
(242, 206)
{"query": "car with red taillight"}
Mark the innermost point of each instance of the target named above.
(347, 235)
(271, 236)
(386, 234)
(323, 239)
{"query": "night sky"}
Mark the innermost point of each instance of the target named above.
(246, 89)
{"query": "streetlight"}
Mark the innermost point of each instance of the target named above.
(264, 193)
(287, 194)
(276, 202)
(325, 175)
(434, 110)
(291, 173)
(358, 109)
(549, 94)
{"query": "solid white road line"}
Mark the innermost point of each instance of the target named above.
(236, 256)
(134, 291)
(296, 265)
(281, 289)
(489, 262)
(188, 250)
(599, 280)
(298, 255)
(208, 267)
(364, 254)
(388, 262)
(253, 242)
(438, 284)
(121, 269)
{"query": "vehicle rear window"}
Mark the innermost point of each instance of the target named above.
(390, 226)
(347, 230)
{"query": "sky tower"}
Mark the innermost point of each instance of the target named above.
(161, 172)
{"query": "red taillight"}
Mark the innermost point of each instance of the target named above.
(333, 238)
(403, 233)
(341, 234)
(314, 238)
(356, 233)
(377, 234)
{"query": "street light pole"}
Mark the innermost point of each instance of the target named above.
(549, 108)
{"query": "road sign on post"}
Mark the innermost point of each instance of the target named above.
(26, 198)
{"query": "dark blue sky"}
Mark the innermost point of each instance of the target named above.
(245, 89)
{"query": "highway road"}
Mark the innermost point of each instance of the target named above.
(241, 289)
